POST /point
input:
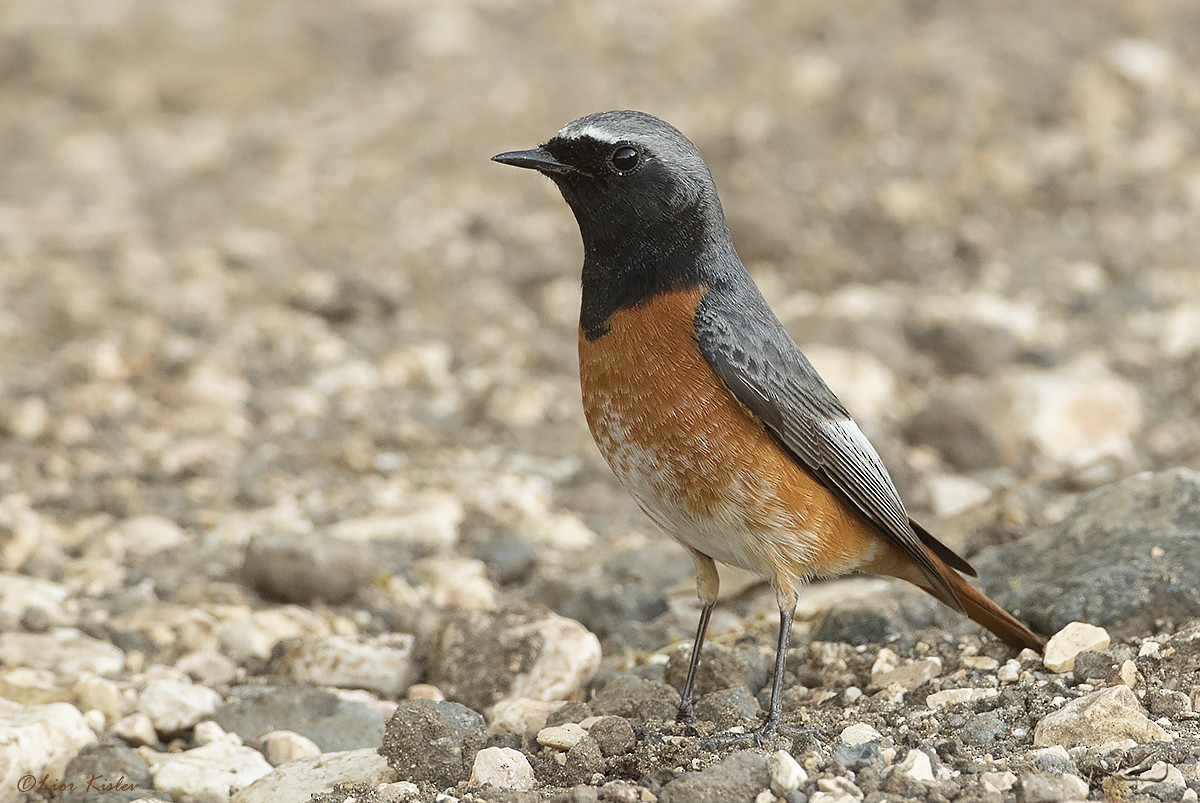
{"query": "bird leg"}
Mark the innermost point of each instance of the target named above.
(685, 697)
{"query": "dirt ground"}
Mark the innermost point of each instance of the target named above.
(258, 272)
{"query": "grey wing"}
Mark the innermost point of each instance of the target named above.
(755, 358)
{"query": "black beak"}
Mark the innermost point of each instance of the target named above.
(536, 159)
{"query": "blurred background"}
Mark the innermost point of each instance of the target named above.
(254, 261)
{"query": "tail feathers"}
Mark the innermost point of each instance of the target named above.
(981, 609)
(944, 552)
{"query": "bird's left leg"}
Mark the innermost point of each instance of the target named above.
(707, 585)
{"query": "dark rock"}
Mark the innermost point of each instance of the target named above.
(982, 730)
(970, 424)
(855, 757)
(966, 346)
(475, 657)
(726, 708)
(570, 711)
(333, 723)
(722, 667)
(508, 556)
(108, 764)
(738, 776)
(878, 619)
(636, 698)
(577, 794)
(1094, 664)
(582, 762)
(605, 610)
(614, 735)
(433, 740)
(1120, 559)
(304, 567)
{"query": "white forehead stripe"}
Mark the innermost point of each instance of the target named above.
(593, 131)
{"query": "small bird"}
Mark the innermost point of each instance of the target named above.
(704, 406)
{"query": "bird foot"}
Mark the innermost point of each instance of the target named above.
(764, 735)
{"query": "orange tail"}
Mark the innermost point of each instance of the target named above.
(987, 613)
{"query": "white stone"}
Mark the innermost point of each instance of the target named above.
(208, 731)
(65, 651)
(174, 705)
(1010, 672)
(136, 729)
(425, 518)
(1079, 413)
(20, 593)
(210, 773)
(521, 715)
(398, 792)
(457, 583)
(384, 664)
(563, 531)
(1141, 61)
(502, 767)
(101, 694)
(860, 733)
(38, 739)
(1067, 643)
(908, 676)
(1097, 718)
(956, 696)
(283, 746)
(999, 782)
(253, 634)
(208, 667)
(916, 765)
(786, 773)
(568, 660)
(33, 686)
(424, 691)
(561, 737)
(297, 780)
(145, 535)
(766, 796)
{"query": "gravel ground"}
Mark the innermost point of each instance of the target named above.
(294, 485)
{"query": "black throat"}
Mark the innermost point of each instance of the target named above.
(622, 272)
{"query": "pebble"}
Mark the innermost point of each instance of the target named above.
(254, 634)
(1010, 672)
(383, 664)
(1063, 646)
(333, 723)
(427, 519)
(173, 706)
(38, 739)
(1078, 414)
(916, 765)
(428, 740)
(100, 694)
(297, 780)
(567, 662)
(910, 675)
(20, 593)
(142, 535)
(613, 735)
(65, 651)
(136, 729)
(457, 583)
(307, 566)
(502, 767)
(206, 774)
(425, 691)
(1097, 718)
(561, 737)
(786, 773)
(34, 686)
(860, 733)
(282, 746)
(207, 667)
(942, 699)
(1052, 788)
(520, 715)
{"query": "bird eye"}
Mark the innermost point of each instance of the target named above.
(625, 158)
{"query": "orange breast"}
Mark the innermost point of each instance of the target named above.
(698, 462)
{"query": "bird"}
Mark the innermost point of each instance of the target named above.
(704, 406)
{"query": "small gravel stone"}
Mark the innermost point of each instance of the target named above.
(65, 651)
(941, 699)
(982, 730)
(614, 735)
(1103, 716)
(457, 583)
(136, 729)
(282, 746)
(298, 779)
(1066, 644)
(909, 675)
(561, 737)
(860, 733)
(383, 664)
(1051, 789)
(1093, 664)
(174, 705)
(520, 715)
(307, 567)
(428, 740)
(916, 765)
(786, 773)
(211, 772)
(36, 738)
(502, 767)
